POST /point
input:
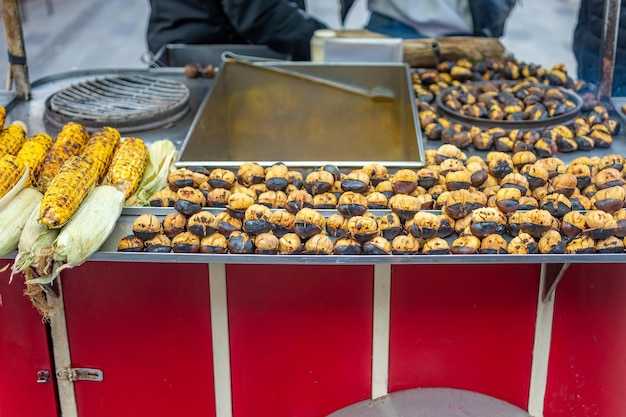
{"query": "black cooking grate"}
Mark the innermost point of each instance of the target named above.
(128, 103)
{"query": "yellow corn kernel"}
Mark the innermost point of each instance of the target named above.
(12, 138)
(69, 142)
(33, 153)
(67, 190)
(128, 165)
(101, 147)
(3, 116)
(11, 170)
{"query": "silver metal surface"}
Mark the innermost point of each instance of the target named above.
(432, 402)
(79, 374)
(32, 112)
(253, 114)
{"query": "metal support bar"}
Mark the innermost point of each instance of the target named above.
(609, 45)
(61, 350)
(18, 70)
(553, 273)
(380, 331)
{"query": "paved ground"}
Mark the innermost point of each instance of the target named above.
(111, 33)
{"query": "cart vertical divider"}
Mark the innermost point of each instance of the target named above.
(220, 340)
(380, 331)
(61, 351)
(541, 345)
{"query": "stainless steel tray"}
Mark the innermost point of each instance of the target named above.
(253, 114)
(108, 251)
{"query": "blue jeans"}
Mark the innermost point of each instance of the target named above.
(391, 27)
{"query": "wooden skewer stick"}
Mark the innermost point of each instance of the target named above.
(18, 70)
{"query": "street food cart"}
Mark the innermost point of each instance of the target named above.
(161, 334)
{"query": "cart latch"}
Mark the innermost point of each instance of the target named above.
(79, 374)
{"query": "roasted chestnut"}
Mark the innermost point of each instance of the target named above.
(130, 243)
(377, 246)
(179, 178)
(507, 199)
(282, 222)
(222, 178)
(404, 181)
(579, 245)
(297, 200)
(276, 177)
(557, 204)
(425, 225)
(609, 200)
(522, 244)
(163, 198)
(352, 204)
(493, 244)
(551, 242)
(215, 243)
(458, 204)
(573, 224)
(202, 224)
(485, 221)
(185, 242)
(318, 182)
(319, 244)
(256, 220)
(325, 201)
(465, 245)
(290, 244)
(376, 172)
(147, 226)
(227, 224)
(362, 228)
(611, 244)
(536, 222)
(266, 244)
(217, 197)
(599, 224)
(389, 225)
(356, 181)
(158, 244)
(436, 246)
(405, 206)
(238, 203)
(347, 246)
(377, 200)
(273, 199)
(190, 200)
(174, 223)
(405, 245)
(250, 173)
(308, 222)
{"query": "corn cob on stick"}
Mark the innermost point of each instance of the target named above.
(11, 171)
(12, 138)
(3, 116)
(101, 147)
(161, 157)
(67, 190)
(128, 165)
(33, 154)
(69, 142)
(86, 231)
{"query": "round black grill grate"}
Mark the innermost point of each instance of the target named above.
(128, 103)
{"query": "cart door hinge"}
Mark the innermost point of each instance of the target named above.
(79, 374)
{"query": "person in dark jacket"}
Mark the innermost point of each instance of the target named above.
(587, 45)
(435, 18)
(282, 25)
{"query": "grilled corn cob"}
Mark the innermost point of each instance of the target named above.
(12, 138)
(11, 171)
(33, 154)
(69, 142)
(67, 190)
(100, 148)
(128, 165)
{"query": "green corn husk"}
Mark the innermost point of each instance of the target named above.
(85, 232)
(14, 216)
(161, 157)
(35, 241)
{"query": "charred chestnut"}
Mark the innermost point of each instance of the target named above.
(147, 226)
(319, 244)
(185, 242)
(352, 204)
(215, 243)
(493, 244)
(377, 246)
(266, 244)
(190, 200)
(290, 244)
(308, 222)
(158, 244)
(163, 198)
(347, 246)
(130, 243)
(202, 224)
(405, 245)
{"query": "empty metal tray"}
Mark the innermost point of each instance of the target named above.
(266, 116)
